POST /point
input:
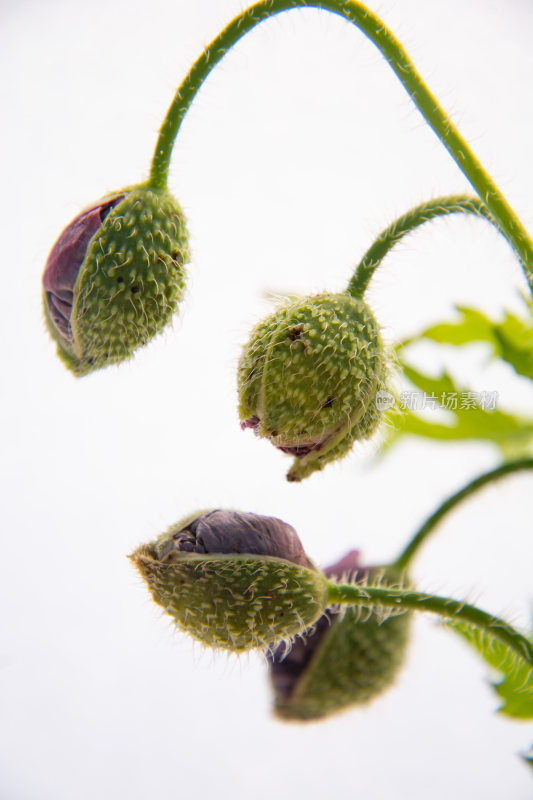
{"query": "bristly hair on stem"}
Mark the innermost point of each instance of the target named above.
(408, 553)
(407, 223)
(395, 55)
(446, 607)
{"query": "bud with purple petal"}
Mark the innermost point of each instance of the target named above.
(345, 659)
(309, 377)
(114, 277)
(234, 580)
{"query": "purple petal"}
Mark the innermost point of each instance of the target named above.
(347, 568)
(237, 532)
(287, 668)
(251, 422)
(65, 259)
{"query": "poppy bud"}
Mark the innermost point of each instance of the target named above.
(114, 277)
(234, 580)
(344, 659)
(308, 379)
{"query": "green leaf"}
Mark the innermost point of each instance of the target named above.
(516, 685)
(515, 340)
(510, 340)
(442, 385)
(470, 416)
(472, 326)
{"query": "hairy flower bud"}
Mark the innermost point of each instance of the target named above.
(346, 658)
(114, 277)
(234, 580)
(308, 379)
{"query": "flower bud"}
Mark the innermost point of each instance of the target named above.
(347, 658)
(234, 580)
(308, 379)
(114, 277)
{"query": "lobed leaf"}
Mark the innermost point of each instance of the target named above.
(510, 340)
(470, 417)
(516, 685)
(512, 434)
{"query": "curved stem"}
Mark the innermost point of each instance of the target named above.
(388, 238)
(405, 558)
(405, 599)
(399, 61)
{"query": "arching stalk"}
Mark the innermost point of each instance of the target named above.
(395, 55)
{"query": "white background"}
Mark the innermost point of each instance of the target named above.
(300, 148)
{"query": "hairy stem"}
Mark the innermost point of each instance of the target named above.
(388, 238)
(399, 61)
(405, 599)
(406, 556)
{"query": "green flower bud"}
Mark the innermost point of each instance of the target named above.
(348, 657)
(309, 377)
(234, 580)
(114, 277)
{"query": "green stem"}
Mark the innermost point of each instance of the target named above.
(388, 238)
(405, 599)
(405, 558)
(399, 61)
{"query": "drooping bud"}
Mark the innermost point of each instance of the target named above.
(114, 277)
(234, 580)
(309, 377)
(345, 659)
